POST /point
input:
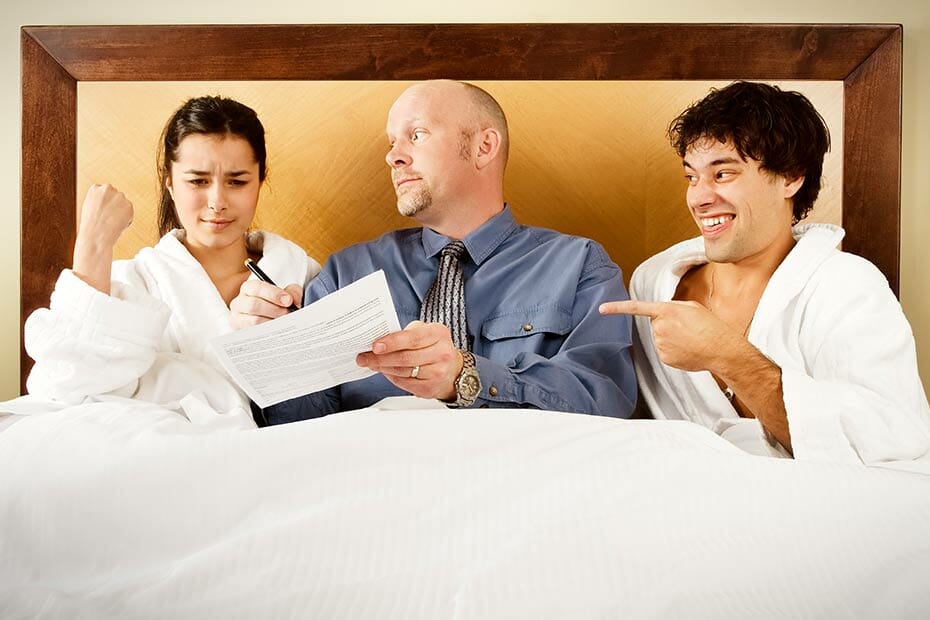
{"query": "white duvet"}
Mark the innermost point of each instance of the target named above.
(109, 513)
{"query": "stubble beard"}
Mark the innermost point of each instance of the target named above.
(414, 201)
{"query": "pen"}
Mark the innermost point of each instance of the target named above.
(261, 275)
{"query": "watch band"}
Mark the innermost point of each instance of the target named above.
(468, 383)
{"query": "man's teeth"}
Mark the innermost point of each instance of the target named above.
(714, 221)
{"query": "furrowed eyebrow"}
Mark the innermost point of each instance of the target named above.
(204, 173)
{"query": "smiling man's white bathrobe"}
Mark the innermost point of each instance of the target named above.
(148, 340)
(829, 320)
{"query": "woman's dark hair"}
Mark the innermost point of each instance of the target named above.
(779, 129)
(204, 115)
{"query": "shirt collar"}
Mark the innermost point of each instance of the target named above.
(481, 242)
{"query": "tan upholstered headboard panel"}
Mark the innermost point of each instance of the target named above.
(866, 59)
(589, 158)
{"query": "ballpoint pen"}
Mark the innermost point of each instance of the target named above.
(261, 275)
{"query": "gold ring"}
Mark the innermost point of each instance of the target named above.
(414, 372)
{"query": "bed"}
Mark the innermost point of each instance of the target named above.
(118, 509)
(437, 514)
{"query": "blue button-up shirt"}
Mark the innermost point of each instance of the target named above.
(531, 299)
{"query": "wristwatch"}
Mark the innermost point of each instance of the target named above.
(468, 383)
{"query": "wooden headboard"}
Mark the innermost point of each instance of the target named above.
(865, 58)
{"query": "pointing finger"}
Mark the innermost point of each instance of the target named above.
(652, 309)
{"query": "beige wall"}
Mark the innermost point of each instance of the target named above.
(587, 158)
(913, 14)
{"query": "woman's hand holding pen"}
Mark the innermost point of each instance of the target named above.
(105, 214)
(259, 301)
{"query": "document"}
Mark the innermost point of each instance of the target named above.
(313, 348)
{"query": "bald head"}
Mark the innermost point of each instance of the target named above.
(447, 157)
(471, 107)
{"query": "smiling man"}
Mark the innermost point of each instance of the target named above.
(497, 314)
(761, 329)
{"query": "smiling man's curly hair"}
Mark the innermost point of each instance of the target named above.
(779, 129)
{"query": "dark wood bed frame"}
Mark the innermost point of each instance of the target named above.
(866, 58)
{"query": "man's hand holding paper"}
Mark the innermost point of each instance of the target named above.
(421, 359)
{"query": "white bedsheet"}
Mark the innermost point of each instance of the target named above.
(106, 513)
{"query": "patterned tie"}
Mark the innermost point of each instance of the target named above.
(445, 301)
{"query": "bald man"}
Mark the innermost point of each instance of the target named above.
(531, 337)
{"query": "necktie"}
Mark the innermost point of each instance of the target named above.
(445, 301)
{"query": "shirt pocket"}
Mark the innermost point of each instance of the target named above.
(536, 329)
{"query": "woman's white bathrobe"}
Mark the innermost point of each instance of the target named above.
(149, 339)
(830, 322)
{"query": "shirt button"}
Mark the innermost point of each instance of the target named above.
(528, 327)
(492, 391)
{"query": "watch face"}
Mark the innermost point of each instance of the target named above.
(469, 386)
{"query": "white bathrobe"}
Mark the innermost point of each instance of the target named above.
(830, 322)
(149, 339)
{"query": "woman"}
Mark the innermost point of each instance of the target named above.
(141, 328)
